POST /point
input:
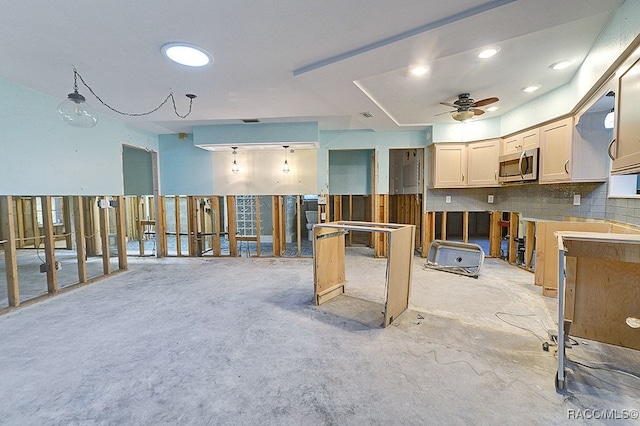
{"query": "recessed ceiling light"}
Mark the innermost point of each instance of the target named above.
(419, 70)
(560, 65)
(492, 108)
(187, 54)
(530, 89)
(487, 53)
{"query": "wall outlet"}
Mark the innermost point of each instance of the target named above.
(447, 199)
(576, 199)
(490, 199)
(322, 199)
(323, 216)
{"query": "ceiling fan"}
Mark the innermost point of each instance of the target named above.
(466, 108)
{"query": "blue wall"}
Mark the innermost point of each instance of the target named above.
(184, 168)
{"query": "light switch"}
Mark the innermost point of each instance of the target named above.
(490, 199)
(576, 199)
(447, 199)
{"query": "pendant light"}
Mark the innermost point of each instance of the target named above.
(285, 166)
(234, 166)
(74, 110)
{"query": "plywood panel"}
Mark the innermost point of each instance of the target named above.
(398, 280)
(606, 293)
(329, 261)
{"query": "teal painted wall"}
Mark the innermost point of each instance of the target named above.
(380, 142)
(184, 168)
(41, 155)
(350, 172)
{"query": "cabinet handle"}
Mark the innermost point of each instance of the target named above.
(463, 177)
(495, 175)
(566, 163)
(609, 149)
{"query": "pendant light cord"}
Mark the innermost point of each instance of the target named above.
(77, 75)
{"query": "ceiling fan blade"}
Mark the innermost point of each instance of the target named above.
(449, 104)
(484, 102)
(443, 113)
(477, 111)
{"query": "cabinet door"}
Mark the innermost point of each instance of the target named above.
(482, 165)
(626, 150)
(510, 145)
(555, 151)
(531, 139)
(449, 165)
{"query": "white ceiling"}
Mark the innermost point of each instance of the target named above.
(298, 60)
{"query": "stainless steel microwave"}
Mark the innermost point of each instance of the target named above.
(519, 166)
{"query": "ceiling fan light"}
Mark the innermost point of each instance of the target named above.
(462, 115)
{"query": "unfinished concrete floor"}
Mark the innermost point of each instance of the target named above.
(192, 341)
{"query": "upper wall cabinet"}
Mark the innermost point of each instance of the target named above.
(573, 154)
(520, 142)
(447, 165)
(625, 148)
(482, 163)
(461, 165)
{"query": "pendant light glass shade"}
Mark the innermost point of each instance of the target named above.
(285, 166)
(76, 112)
(234, 166)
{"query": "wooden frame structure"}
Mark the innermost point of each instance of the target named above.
(329, 262)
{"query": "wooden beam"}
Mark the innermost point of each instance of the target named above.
(275, 219)
(34, 223)
(495, 234)
(530, 243)
(121, 234)
(298, 225)
(443, 226)
(176, 207)
(216, 248)
(192, 223)
(104, 234)
(19, 219)
(78, 226)
(513, 234)
(66, 217)
(49, 245)
(465, 226)
(233, 225)
(350, 218)
(162, 248)
(258, 226)
(140, 218)
(7, 224)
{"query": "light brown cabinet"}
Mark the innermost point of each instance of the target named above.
(461, 165)
(447, 165)
(482, 163)
(555, 151)
(625, 149)
(520, 142)
(572, 154)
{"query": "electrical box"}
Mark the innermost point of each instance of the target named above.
(322, 199)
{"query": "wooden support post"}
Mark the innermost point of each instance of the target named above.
(66, 217)
(121, 234)
(161, 227)
(495, 234)
(258, 226)
(49, 245)
(465, 226)
(176, 204)
(34, 223)
(141, 217)
(276, 205)
(217, 216)
(513, 234)
(7, 230)
(381, 215)
(19, 220)
(298, 225)
(530, 243)
(78, 226)
(337, 207)
(443, 227)
(233, 227)
(350, 218)
(192, 223)
(104, 236)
